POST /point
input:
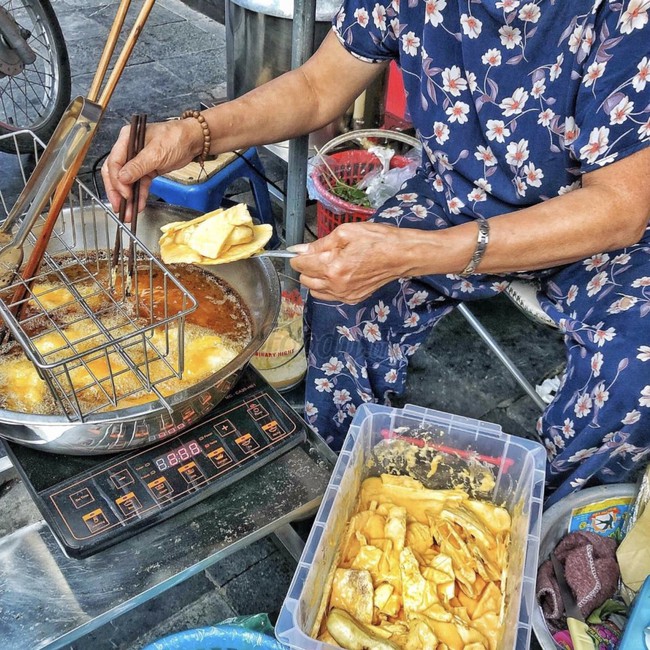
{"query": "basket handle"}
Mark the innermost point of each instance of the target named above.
(369, 133)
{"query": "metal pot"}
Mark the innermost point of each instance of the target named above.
(256, 282)
(555, 525)
(259, 40)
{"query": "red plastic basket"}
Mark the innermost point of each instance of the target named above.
(350, 167)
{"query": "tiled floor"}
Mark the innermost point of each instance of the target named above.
(178, 63)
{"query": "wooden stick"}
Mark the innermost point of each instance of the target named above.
(122, 59)
(130, 152)
(63, 189)
(108, 50)
(135, 200)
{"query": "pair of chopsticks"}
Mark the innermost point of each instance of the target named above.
(18, 300)
(134, 147)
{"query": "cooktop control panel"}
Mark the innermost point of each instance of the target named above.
(113, 500)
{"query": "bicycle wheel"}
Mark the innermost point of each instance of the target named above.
(35, 98)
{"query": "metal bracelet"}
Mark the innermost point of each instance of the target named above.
(482, 239)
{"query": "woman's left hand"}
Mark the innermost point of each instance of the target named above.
(350, 263)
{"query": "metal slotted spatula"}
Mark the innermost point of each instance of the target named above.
(54, 175)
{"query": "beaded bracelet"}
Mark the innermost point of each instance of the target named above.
(207, 140)
(482, 239)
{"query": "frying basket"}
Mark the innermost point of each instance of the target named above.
(114, 335)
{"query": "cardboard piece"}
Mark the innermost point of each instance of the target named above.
(633, 554)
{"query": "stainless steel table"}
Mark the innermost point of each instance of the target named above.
(48, 600)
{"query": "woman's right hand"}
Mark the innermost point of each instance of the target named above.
(168, 146)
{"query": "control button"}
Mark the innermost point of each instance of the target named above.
(96, 521)
(220, 457)
(273, 430)
(81, 498)
(225, 428)
(247, 443)
(190, 472)
(257, 411)
(121, 479)
(161, 488)
(129, 504)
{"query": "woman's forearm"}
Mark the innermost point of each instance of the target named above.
(296, 103)
(609, 212)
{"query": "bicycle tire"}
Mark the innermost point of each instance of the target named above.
(37, 98)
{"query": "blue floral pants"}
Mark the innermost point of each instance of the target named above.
(596, 430)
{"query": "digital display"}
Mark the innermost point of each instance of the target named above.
(178, 455)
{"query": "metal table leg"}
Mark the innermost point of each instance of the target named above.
(304, 19)
(290, 540)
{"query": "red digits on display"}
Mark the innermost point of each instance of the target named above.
(172, 458)
(194, 448)
(183, 453)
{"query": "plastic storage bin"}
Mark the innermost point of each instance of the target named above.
(519, 486)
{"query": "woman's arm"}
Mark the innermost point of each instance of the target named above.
(610, 211)
(293, 104)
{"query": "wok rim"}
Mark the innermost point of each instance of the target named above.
(154, 407)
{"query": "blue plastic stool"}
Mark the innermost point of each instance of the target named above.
(208, 195)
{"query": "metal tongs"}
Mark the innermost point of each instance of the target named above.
(57, 168)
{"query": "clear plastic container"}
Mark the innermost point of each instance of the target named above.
(519, 486)
(281, 360)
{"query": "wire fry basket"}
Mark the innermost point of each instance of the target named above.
(92, 346)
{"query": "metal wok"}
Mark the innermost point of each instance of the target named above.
(256, 282)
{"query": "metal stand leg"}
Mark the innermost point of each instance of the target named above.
(7, 470)
(290, 540)
(503, 357)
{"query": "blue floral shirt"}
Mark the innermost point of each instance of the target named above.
(513, 100)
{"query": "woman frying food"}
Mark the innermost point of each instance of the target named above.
(534, 119)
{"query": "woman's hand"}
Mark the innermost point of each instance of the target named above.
(168, 146)
(351, 262)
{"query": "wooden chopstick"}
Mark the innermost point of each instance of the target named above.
(130, 153)
(135, 200)
(109, 49)
(135, 145)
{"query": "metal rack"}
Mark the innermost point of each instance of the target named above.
(76, 327)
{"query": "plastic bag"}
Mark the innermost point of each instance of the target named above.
(241, 635)
(378, 185)
(255, 622)
(382, 184)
